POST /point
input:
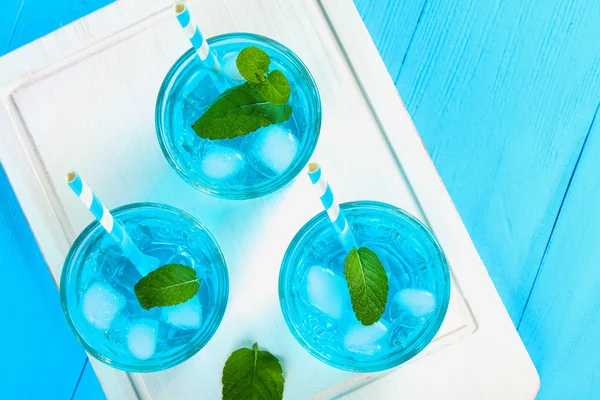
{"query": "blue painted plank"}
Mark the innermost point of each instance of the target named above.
(36, 345)
(502, 93)
(23, 21)
(494, 78)
(561, 324)
(88, 388)
(391, 24)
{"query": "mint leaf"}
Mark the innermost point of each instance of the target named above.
(258, 103)
(275, 89)
(168, 285)
(251, 374)
(237, 112)
(368, 284)
(253, 64)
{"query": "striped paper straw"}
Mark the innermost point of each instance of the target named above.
(193, 33)
(144, 263)
(336, 216)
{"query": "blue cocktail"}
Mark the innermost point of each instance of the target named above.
(315, 298)
(246, 166)
(97, 290)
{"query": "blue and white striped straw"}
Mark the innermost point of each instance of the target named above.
(208, 57)
(144, 263)
(336, 216)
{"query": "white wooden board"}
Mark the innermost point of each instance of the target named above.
(82, 98)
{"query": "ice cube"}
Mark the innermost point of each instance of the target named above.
(191, 144)
(221, 162)
(273, 147)
(363, 339)
(184, 258)
(107, 261)
(196, 101)
(418, 302)
(100, 304)
(327, 292)
(186, 315)
(192, 109)
(230, 68)
(141, 339)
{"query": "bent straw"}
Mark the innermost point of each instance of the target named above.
(207, 57)
(335, 214)
(143, 262)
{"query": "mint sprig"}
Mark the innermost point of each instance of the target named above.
(237, 112)
(368, 284)
(258, 103)
(168, 285)
(253, 64)
(251, 374)
(275, 88)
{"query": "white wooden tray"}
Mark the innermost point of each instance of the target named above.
(83, 98)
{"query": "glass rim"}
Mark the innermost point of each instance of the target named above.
(303, 157)
(67, 268)
(393, 359)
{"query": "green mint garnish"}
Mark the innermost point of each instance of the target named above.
(368, 284)
(237, 112)
(275, 88)
(168, 285)
(258, 103)
(253, 64)
(252, 374)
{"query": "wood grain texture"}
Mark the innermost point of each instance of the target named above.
(88, 387)
(35, 340)
(502, 93)
(22, 21)
(391, 24)
(561, 325)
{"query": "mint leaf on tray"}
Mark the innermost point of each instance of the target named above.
(368, 284)
(168, 285)
(237, 112)
(251, 374)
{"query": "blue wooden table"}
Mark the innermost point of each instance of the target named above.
(505, 95)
